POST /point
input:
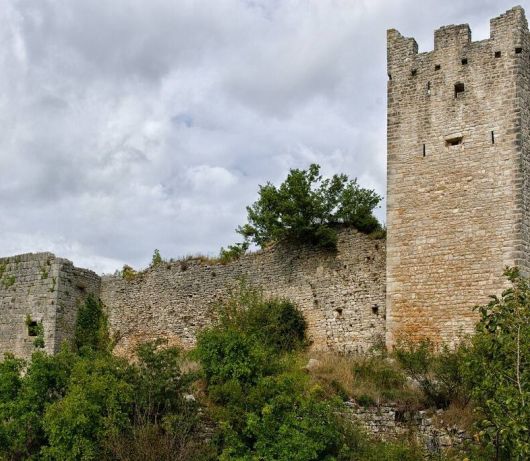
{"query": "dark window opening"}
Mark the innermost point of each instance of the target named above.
(518, 50)
(493, 137)
(464, 61)
(414, 72)
(459, 88)
(33, 328)
(497, 54)
(437, 67)
(454, 141)
(424, 151)
(389, 76)
(375, 309)
(338, 310)
(428, 87)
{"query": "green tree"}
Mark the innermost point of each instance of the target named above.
(97, 406)
(24, 398)
(499, 369)
(156, 259)
(307, 208)
(91, 332)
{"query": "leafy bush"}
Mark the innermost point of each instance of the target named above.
(156, 259)
(128, 273)
(498, 369)
(285, 421)
(440, 375)
(24, 398)
(96, 406)
(230, 354)
(267, 406)
(89, 404)
(275, 323)
(91, 333)
(233, 252)
(307, 208)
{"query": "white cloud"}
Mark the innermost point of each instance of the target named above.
(130, 125)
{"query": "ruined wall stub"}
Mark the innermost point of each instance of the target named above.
(43, 289)
(458, 195)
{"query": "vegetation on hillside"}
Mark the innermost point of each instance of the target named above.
(251, 397)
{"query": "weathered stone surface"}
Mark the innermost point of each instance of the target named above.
(45, 289)
(341, 294)
(457, 214)
(389, 422)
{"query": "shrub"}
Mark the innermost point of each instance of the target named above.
(275, 323)
(233, 252)
(96, 406)
(227, 354)
(306, 208)
(91, 332)
(156, 259)
(286, 422)
(498, 369)
(24, 398)
(440, 375)
(128, 273)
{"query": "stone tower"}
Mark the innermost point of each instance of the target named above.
(458, 175)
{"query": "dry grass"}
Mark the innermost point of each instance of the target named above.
(369, 380)
(456, 415)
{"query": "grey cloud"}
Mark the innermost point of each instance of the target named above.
(130, 125)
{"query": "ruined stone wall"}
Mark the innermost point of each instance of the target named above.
(341, 294)
(390, 423)
(458, 204)
(41, 288)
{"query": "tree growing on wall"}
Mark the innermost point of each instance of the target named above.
(308, 208)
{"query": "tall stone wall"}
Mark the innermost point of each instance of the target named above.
(458, 205)
(341, 294)
(43, 289)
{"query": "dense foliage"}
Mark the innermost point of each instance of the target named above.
(499, 369)
(440, 374)
(307, 208)
(267, 406)
(86, 404)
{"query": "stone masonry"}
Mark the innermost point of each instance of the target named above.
(458, 193)
(341, 294)
(458, 213)
(40, 289)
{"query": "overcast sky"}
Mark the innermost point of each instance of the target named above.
(130, 125)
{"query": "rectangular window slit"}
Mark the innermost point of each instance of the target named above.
(454, 141)
(497, 54)
(437, 67)
(464, 61)
(424, 151)
(493, 137)
(459, 88)
(414, 72)
(33, 328)
(518, 50)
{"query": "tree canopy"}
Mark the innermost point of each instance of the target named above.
(307, 208)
